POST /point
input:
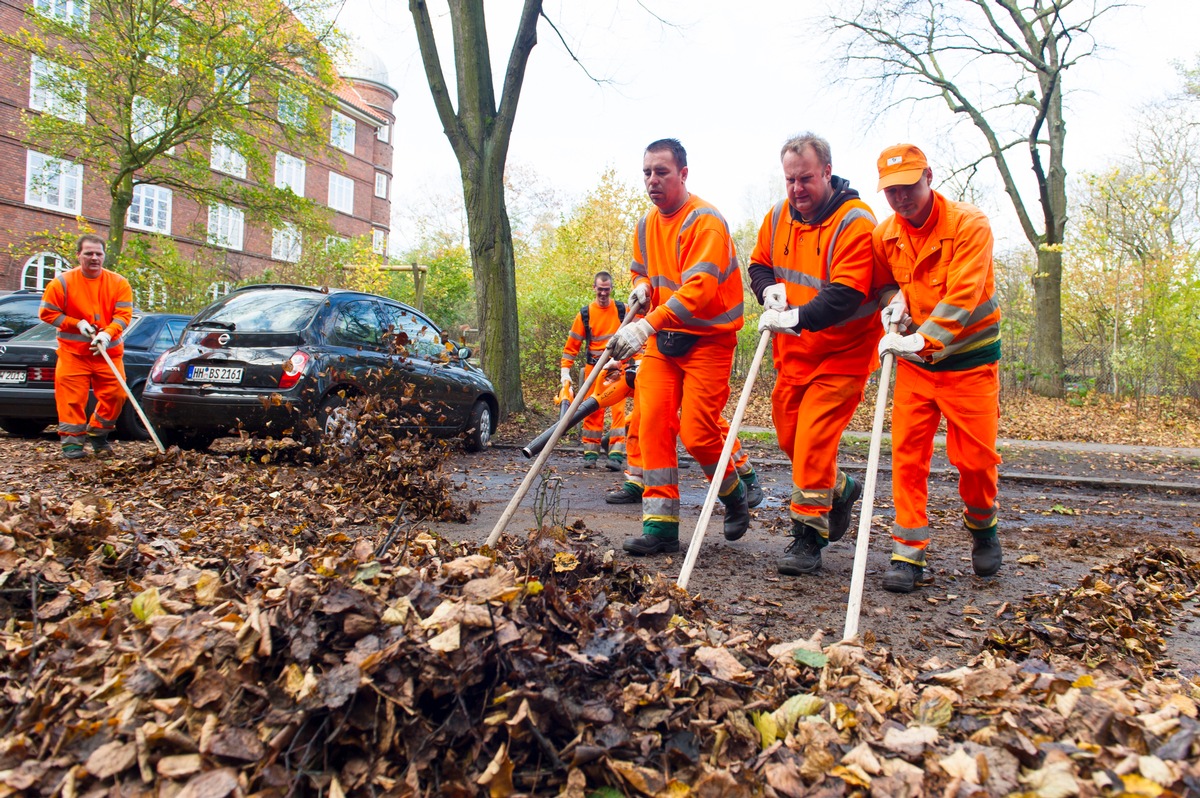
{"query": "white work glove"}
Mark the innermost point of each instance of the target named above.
(779, 321)
(901, 345)
(775, 298)
(85, 328)
(100, 342)
(627, 341)
(565, 376)
(640, 296)
(896, 313)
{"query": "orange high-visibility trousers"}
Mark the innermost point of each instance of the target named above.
(970, 401)
(682, 397)
(73, 375)
(809, 421)
(593, 425)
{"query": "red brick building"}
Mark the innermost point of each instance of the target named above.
(352, 175)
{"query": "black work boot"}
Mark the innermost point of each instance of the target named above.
(628, 493)
(614, 462)
(986, 556)
(803, 554)
(100, 446)
(839, 513)
(737, 512)
(902, 577)
(754, 491)
(657, 536)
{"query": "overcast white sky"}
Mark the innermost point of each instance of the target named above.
(731, 81)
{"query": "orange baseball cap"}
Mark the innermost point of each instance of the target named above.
(901, 165)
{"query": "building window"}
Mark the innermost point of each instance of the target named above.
(151, 209)
(335, 242)
(285, 243)
(289, 173)
(41, 269)
(379, 241)
(225, 226)
(54, 89)
(147, 121)
(53, 183)
(381, 185)
(165, 46)
(293, 106)
(75, 11)
(341, 132)
(341, 193)
(225, 158)
(224, 80)
(384, 133)
(219, 289)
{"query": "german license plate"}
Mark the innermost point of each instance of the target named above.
(214, 374)
(12, 376)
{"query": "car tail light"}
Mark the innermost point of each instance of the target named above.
(40, 374)
(293, 369)
(156, 371)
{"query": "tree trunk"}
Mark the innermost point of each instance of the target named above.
(122, 198)
(495, 281)
(1046, 378)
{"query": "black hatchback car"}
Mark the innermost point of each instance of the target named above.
(28, 360)
(266, 358)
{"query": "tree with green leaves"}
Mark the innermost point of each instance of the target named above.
(157, 91)
(1001, 64)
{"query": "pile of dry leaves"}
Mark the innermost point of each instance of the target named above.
(241, 659)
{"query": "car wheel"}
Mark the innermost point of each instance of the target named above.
(479, 428)
(129, 425)
(337, 426)
(24, 427)
(186, 439)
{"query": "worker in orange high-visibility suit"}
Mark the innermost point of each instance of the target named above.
(593, 326)
(685, 268)
(939, 253)
(91, 307)
(813, 270)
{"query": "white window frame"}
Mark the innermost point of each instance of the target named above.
(290, 173)
(44, 96)
(335, 241)
(166, 56)
(342, 131)
(226, 226)
(378, 241)
(53, 183)
(341, 193)
(153, 203)
(293, 106)
(77, 11)
(147, 120)
(224, 158)
(286, 243)
(38, 266)
(384, 133)
(219, 289)
(242, 95)
(381, 185)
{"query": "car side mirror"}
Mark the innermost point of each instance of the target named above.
(465, 353)
(8, 332)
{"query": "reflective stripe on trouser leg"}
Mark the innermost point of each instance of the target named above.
(915, 418)
(809, 422)
(659, 387)
(972, 410)
(660, 500)
(110, 397)
(72, 378)
(910, 544)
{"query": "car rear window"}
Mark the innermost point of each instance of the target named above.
(263, 311)
(38, 332)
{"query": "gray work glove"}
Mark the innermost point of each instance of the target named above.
(627, 341)
(85, 328)
(100, 342)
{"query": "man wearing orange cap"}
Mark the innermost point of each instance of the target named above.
(91, 307)
(947, 347)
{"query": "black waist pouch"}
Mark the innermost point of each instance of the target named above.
(675, 344)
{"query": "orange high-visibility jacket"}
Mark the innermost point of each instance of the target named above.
(808, 257)
(107, 302)
(691, 267)
(603, 323)
(950, 285)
